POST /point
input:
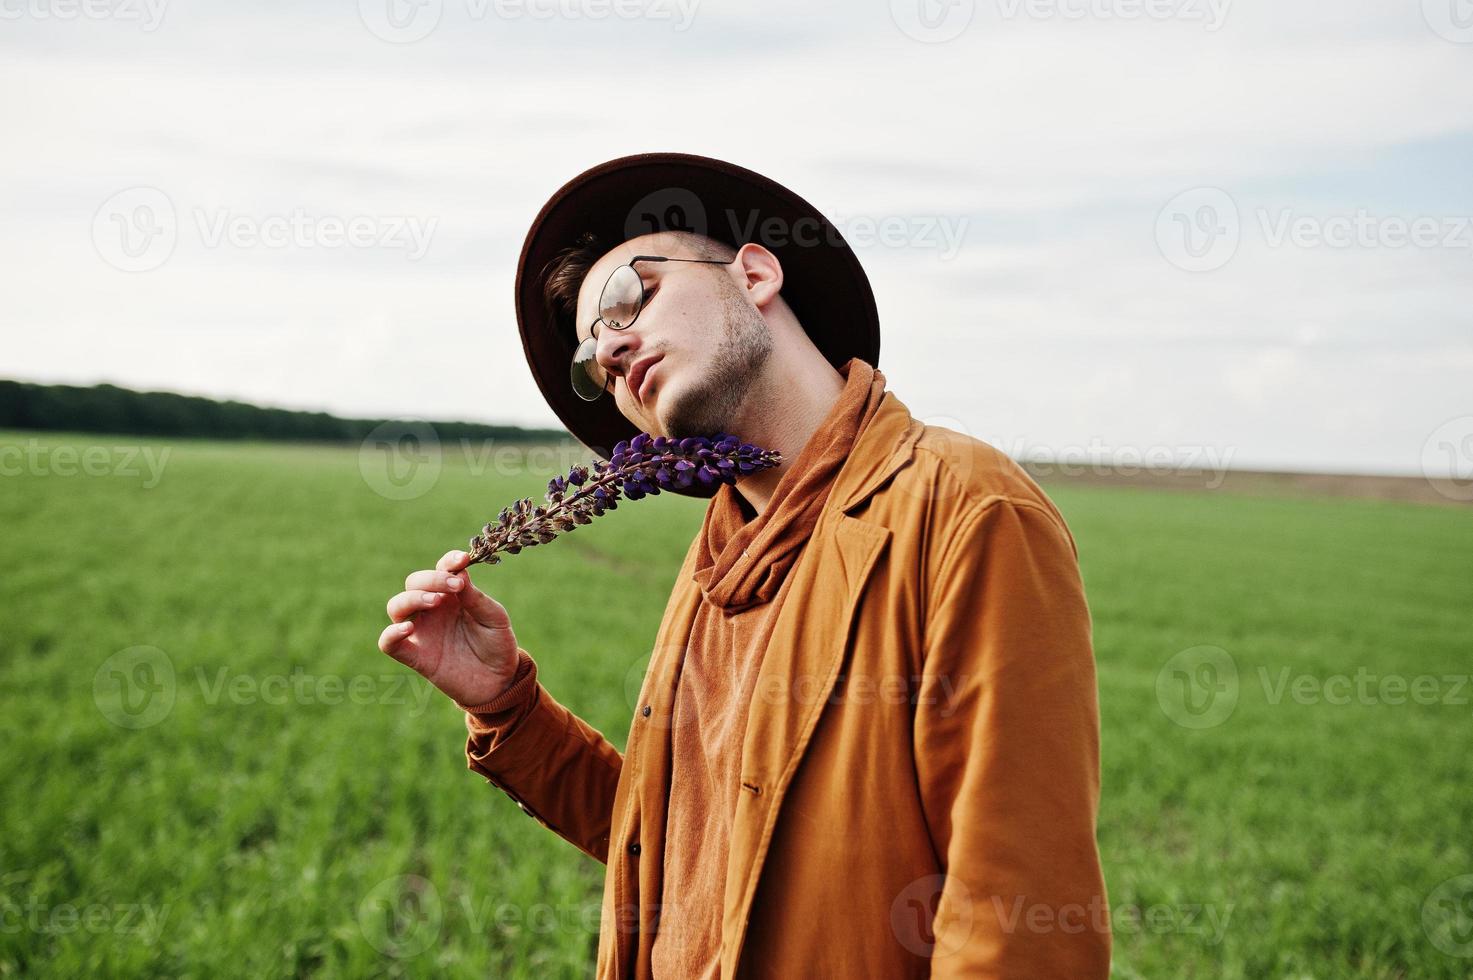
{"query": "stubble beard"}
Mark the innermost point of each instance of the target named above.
(709, 405)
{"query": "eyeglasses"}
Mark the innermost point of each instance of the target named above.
(618, 306)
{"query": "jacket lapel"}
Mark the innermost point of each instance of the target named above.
(799, 669)
(807, 651)
(632, 887)
(885, 445)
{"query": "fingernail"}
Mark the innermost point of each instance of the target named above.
(453, 582)
(431, 598)
(404, 626)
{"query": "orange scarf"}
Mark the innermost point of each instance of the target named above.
(743, 563)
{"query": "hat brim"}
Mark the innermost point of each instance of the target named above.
(823, 282)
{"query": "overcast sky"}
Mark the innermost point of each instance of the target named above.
(1230, 226)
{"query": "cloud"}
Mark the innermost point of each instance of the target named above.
(1046, 146)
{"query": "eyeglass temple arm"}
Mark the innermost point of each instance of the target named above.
(666, 258)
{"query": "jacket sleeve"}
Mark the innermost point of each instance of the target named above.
(1007, 750)
(560, 770)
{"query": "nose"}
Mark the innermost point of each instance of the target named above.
(615, 348)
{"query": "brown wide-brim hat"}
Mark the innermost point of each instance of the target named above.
(637, 195)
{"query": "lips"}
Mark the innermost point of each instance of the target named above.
(637, 374)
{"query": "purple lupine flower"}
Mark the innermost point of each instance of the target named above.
(638, 467)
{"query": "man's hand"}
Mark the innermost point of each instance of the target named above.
(458, 637)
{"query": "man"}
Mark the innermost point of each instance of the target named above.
(867, 740)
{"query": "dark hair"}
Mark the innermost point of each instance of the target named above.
(563, 275)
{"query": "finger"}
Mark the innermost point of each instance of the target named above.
(453, 561)
(405, 604)
(435, 581)
(484, 609)
(393, 635)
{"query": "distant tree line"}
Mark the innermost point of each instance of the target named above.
(108, 408)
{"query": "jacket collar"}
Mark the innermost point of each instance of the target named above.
(777, 732)
(886, 444)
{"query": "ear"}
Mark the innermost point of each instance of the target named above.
(759, 274)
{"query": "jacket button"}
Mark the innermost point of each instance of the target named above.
(646, 711)
(634, 848)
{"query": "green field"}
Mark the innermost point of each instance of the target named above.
(210, 770)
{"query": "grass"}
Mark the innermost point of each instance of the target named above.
(290, 801)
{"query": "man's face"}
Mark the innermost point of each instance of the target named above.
(704, 341)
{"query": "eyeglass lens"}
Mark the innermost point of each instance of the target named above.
(618, 305)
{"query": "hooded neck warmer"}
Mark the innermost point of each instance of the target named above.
(743, 561)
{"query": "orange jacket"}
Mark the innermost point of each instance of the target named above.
(921, 764)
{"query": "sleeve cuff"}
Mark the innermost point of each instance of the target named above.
(524, 682)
